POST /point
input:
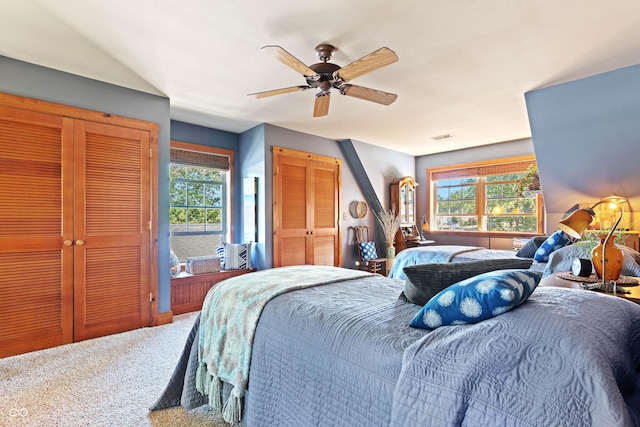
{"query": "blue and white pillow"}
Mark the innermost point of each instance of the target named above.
(220, 254)
(237, 256)
(557, 240)
(477, 298)
(368, 250)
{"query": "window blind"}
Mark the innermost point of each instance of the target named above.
(497, 169)
(198, 158)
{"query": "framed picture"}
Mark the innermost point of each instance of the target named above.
(250, 198)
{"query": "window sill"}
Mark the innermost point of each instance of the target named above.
(188, 291)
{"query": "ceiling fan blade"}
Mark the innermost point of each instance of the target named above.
(289, 60)
(371, 62)
(367, 94)
(321, 105)
(279, 91)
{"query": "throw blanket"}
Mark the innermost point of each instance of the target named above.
(228, 322)
(541, 364)
(426, 255)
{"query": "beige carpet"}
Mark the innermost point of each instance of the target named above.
(108, 381)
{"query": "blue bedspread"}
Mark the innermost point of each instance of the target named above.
(343, 355)
(560, 359)
(229, 319)
(330, 355)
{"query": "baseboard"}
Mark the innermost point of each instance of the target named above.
(165, 318)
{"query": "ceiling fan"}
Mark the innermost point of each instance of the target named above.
(324, 75)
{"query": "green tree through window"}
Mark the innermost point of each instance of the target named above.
(196, 200)
(200, 188)
(484, 197)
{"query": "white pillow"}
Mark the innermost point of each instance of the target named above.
(237, 256)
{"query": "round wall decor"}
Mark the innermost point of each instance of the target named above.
(358, 209)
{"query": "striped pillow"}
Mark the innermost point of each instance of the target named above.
(220, 254)
(237, 256)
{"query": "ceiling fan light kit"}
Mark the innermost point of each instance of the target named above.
(324, 75)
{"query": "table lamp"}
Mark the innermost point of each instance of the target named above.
(424, 225)
(575, 224)
(578, 221)
(608, 262)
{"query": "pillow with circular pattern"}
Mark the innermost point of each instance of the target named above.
(477, 298)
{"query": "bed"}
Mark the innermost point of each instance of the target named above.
(444, 253)
(342, 353)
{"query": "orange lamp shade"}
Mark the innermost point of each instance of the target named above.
(575, 224)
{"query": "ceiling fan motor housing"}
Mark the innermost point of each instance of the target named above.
(326, 75)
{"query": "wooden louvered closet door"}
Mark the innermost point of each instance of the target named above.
(111, 229)
(76, 229)
(36, 211)
(306, 209)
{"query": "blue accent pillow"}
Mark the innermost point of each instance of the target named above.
(477, 298)
(368, 250)
(529, 249)
(557, 240)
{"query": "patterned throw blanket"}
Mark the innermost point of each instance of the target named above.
(228, 322)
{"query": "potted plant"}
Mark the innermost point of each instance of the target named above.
(592, 238)
(530, 183)
(390, 223)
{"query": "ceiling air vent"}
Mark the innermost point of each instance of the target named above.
(443, 137)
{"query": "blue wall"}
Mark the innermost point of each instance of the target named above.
(195, 134)
(586, 135)
(251, 161)
(383, 166)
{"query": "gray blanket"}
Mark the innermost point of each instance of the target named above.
(342, 355)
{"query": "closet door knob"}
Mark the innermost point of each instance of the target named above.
(79, 242)
(68, 242)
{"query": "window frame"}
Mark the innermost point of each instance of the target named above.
(228, 217)
(520, 163)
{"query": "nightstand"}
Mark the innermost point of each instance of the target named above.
(553, 280)
(418, 243)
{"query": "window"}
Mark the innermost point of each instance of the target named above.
(483, 197)
(199, 198)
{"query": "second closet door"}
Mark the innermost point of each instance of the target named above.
(111, 229)
(306, 209)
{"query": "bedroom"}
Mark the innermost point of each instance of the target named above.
(382, 164)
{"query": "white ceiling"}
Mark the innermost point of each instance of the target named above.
(464, 65)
